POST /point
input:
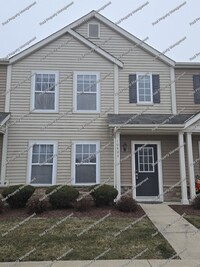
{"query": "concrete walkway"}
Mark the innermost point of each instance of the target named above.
(183, 236)
(108, 263)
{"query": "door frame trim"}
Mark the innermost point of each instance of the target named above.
(158, 198)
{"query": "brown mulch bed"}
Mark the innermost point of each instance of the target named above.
(93, 212)
(187, 209)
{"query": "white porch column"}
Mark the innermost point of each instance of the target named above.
(191, 166)
(117, 170)
(184, 199)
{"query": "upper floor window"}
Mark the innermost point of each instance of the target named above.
(144, 88)
(93, 30)
(44, 91)
(196, 86)
(86, 92)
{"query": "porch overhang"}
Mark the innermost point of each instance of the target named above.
(152, 123)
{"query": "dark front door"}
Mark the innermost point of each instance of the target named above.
(146, 170)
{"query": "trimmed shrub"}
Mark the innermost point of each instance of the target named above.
(64, 197)
(196, 202)
(35, 205)
(127, 204)
(1, 205)
(18, 195)
(83, 204)
(103, 195)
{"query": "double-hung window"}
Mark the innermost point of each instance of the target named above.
(45, 91)
(86, 163)
(42, 158)
(86, 91)
(144, 87)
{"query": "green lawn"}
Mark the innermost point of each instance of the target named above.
(195, 220)
(24, 242)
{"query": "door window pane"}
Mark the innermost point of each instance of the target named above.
(146, 159)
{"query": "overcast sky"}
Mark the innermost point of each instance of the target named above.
(177, 33)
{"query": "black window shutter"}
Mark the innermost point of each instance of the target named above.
(156, 88)
(132, 88)
(196, 86)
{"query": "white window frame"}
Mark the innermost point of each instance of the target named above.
(73, 168)
(94, 23)
(76, 73)
(29, 165)
(32, 106)
(151, 88)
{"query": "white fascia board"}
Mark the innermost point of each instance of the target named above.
(134, 39)
(145, 126)
(192, 120)
(96, 48)
(50, 38)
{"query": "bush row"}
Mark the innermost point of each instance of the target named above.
(59, 197)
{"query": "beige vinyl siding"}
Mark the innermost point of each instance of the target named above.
(3, 77)
(135, 60)
(170, 164)
(185, 91)
(64, 56)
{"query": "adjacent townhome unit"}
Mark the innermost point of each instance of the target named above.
(93, 104)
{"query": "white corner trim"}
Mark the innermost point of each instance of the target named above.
(96, 48)
(173, 90)
(117, 164)
(4, 157)
(116, 89)
(8, 88)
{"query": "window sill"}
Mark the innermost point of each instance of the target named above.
(85, 185)
(86, 112)
(44, 112)
(145, 104)
(41, 185)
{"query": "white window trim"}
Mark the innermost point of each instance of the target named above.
(137, 78)
(75, 91)
(29, 165)
(32, 109)
(73, 167)
(98, 30)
